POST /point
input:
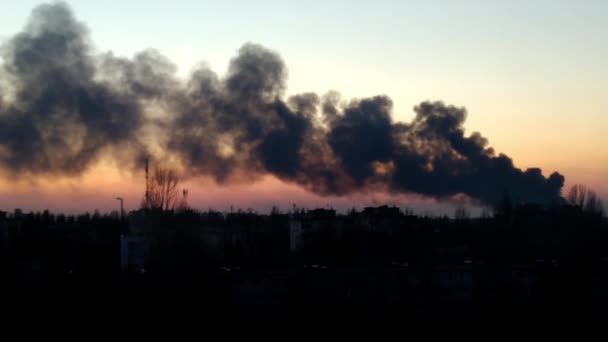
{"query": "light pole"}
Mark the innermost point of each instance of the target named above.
(122, 211)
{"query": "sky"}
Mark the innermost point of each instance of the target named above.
(532, 75)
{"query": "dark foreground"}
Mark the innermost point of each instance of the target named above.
(381, 263)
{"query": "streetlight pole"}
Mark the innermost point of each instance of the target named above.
(122, 211)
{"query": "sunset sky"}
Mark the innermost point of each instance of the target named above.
(533, 76)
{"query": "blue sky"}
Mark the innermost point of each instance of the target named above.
(409, 49)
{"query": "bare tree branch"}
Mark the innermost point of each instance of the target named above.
(163, 189)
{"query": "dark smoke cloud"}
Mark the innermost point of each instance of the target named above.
(59, 119)
(66, 106)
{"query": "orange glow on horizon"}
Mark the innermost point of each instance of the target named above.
(98, 187)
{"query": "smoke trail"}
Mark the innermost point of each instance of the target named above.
(65, 106)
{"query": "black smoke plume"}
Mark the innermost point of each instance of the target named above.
(56, 117)
(63, 106)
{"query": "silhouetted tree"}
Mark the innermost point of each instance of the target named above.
(577, 195)
(585, 199)
(594, 204)
(461, 213)
(183, 203)
(163, 189)
(275, 210)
